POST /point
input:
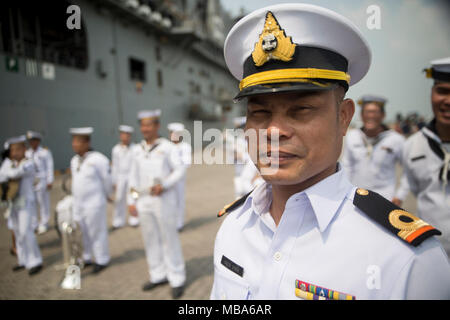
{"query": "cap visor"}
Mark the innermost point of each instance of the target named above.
(283, 88)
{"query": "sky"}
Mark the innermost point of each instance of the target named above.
(412, 33)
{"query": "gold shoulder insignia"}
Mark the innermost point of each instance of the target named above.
(233, 205)
(403, 224)
(273, 43)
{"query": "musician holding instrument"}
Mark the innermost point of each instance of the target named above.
(19, 174)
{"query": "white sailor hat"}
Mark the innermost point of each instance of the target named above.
(84, 131)
(33, 135)
(293, 46)
(125, 128)
(175, 127)
(239, 121)
(17, 139)
(144, 114)
(440, 70)
(372, 98)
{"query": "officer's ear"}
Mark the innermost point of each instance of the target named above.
(346, 110)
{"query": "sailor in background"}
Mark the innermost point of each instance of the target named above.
(427, 156)
(184, 150)
(91, 186)
(307, 232)
(43, 161)
(371, 153)
(5, 162)
(236, 146)
(20, 172)
(155, 170)
(120, 170)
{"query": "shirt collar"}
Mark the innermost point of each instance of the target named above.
(326, 197)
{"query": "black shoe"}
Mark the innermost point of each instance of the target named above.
(177, 292)
(113, 228)
(150, 285)
(99, 267)
(35, 270)
(180, 229)
(87, 264)
(18, 268)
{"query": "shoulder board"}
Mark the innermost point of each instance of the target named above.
(403, 224)
(230, 207)
(46, 148)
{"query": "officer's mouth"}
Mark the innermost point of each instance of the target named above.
(279, 157)
(444, 111)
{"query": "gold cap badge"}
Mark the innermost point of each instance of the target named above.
(273, 43)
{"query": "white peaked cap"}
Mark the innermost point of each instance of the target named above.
(175, 127)
(311, 28)
(33, 135)
(17, 139)
(84, 131)
(149, 114)
(125, 128)
(441, 65)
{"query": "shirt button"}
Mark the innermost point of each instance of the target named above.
(223, 296)
(277, 256)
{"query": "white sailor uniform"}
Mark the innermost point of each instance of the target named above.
(371, 163)
(158, 163)
(184, 150)
(22, 211)
(91, 186)
(43, 161)
(120, 170)
(325, 246)
(427, 164)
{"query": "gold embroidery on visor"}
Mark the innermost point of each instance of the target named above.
(292, 75)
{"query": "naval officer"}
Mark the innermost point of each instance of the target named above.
(427, 156)
(372, 152)
(120, 170)
(155, 171)
(184, 150)
(307, 232)
(43, 161)
(91, 186)
(20, 172)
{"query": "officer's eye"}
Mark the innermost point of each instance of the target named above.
(260, 112)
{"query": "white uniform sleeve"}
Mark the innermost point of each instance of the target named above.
(23, 169)
(133, 179)
(50, 167)
(403, 188)
(3, 175)
(114, 165)
(347, 159)
(178, 169)
(187, 155)
(105, 174)
(413, 184)
(426, 275)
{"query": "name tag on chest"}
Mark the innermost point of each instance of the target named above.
(230, 265)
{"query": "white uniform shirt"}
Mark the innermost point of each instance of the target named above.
(43, 161)
(153, 164)
(184, 151)
(424, 167)
(372, 165)
(324, 240)
(25, 171)
(121, 161)
(91, 180)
